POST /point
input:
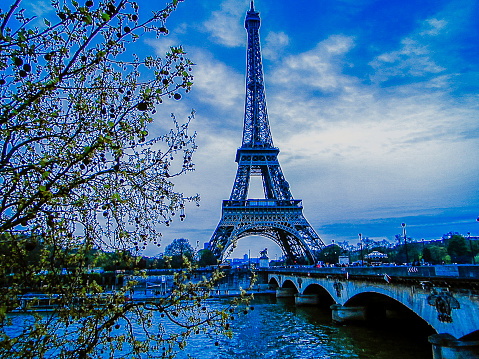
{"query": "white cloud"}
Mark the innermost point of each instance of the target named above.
(365, 144)
(216, 83)
(163, 44)
(412, 59)
(316, 68)
(351, 151)
(225, 25)
(433, 27)
(40, 8)
(274, 45)
(415, 56)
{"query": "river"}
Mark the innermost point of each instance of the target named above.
(279, 329)
(276, 328)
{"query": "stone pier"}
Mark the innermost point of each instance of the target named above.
(285, 292)
(445, 346)
(306, 299)
(341, 314)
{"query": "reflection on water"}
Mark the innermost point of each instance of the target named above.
(279, 329)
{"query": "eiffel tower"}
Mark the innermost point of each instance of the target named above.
(278, 216)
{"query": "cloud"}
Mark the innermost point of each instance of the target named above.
(163, 44)
(39, 8)
(415, 57)
(381, 151)
(216, 83)
(316, 68)
(354, 152)
(225, 25)
(433, 27)
(274, 45)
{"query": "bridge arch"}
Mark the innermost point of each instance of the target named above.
(381, 306)
(325, 299)
(273, 283)
(474, 336)
(290, 284)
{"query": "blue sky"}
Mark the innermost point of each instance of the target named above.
(372, 103)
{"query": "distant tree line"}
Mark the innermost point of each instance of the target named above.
(176, 255)
(453, 248)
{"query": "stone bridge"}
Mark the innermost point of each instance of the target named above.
(444, 297)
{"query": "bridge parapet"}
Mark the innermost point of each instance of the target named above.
(463, 271)
(454, 277)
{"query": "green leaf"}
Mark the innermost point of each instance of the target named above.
(46, 22)
(105, 16)
(42, 188)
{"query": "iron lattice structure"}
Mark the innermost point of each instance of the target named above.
(278, 216)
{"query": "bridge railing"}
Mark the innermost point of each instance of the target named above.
(460, 271)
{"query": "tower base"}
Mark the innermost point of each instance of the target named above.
(281, 221)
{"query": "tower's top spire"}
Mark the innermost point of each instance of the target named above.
(252, 18)
(256, 132)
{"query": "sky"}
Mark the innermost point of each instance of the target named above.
(372, 103)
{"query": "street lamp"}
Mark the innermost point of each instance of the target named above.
(361, 246)
(470, 244)
(405, 241)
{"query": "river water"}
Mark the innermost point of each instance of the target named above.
(276, 328)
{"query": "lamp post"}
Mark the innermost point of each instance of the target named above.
(470, 244)
(405, 241)
(422, 259)
(332, 253)
(361, 247)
